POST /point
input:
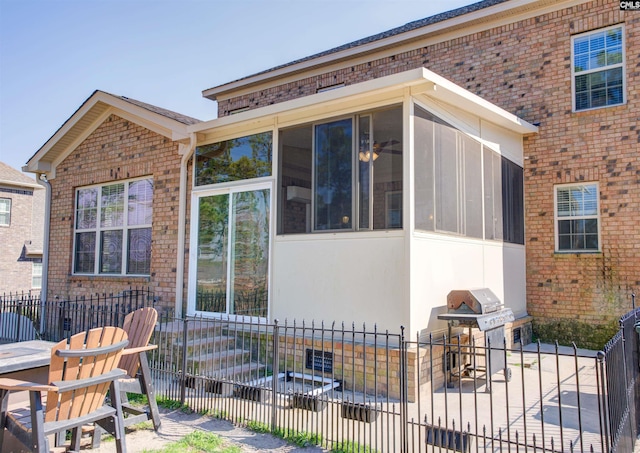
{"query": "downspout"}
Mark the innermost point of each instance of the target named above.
(42, 180)
(187, 152)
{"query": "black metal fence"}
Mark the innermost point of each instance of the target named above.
(25, 316)
(350, 388)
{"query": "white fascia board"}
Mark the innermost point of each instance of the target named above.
(449, 92)
(10, 183)
(101, 105)
(392, 82)
(519, 9)
(418, 80)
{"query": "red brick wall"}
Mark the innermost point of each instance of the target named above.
(525, 68)
(117, 150)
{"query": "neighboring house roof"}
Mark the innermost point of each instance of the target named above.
(9, 176)
(93, 112)
(477, 13)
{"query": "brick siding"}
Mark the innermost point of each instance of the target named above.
(117, 150)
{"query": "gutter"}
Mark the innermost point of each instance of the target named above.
(182, 216)
(42, 181)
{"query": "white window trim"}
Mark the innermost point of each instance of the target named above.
(623, 65)
(557, 218)
(98, 229)
(192, 282)
(8, 211)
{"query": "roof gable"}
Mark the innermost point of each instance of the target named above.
(93, 112)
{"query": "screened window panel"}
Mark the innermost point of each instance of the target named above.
(333, 188)
(512, 202)
(473, 226)
(365, 171)
(447, 182)
(424, 169)
(296, 157)
(387, 166)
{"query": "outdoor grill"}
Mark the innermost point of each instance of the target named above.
(477, 309)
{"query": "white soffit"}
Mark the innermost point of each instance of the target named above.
(419, 81)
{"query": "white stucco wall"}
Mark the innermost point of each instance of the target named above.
(440, 264)
(350, 277)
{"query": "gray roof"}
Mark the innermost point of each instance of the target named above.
(160, 111)
(393, 32)
(9, 174)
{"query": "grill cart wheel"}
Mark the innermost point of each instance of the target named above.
(508, 374)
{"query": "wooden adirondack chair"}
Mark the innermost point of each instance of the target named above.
(80, 374)
(139, 326)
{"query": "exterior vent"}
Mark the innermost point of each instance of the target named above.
(319, 361)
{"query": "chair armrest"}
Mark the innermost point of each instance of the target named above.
(150, 347)
(65, 386)
(20, 385)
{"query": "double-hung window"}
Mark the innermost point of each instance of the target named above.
(113, 228)
(577, 219)
(5, 211)
(598, 68)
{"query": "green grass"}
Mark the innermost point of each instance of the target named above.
(198, 442)
(299, 438)
(351, 447)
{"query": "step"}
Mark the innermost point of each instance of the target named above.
(201, 363)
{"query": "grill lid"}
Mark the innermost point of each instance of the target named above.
(476, 301)
(478, 308)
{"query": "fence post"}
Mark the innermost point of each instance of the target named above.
(605, 406)
(404, 400)
(274, 374)
(19, 320)
(183, 374)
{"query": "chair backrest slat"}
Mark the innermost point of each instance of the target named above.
(139, 326)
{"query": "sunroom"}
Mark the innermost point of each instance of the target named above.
(368, 204)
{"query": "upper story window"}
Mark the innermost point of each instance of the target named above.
(5, 211)
(342, 175)
(113, 228)
(577, 219)
(598, 68)
(234, 160)
(462, 187)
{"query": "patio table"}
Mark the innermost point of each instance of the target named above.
(24, 356)
(27, 360)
